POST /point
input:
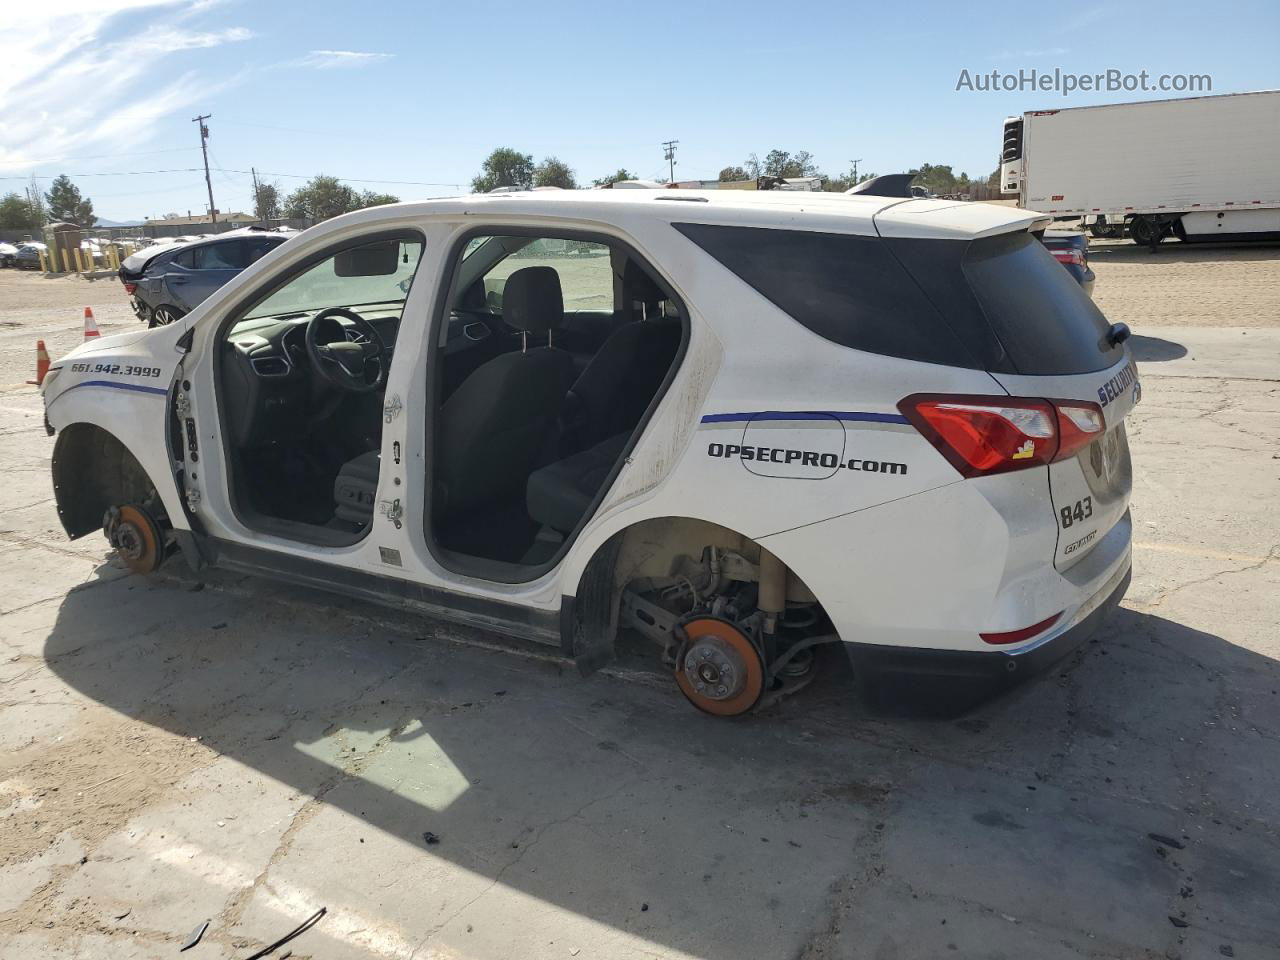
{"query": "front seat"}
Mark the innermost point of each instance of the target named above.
(493, 428)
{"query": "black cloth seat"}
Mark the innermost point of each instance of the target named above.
(355, 488)
(613, 392)
(493, 428)
(559, 494)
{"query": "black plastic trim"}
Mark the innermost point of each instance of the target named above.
(514, 619)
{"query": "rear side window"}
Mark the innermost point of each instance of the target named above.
(228, 255)
(258, 248)
(1047, 323)
(849, 289)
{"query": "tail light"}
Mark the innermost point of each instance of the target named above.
(129, 288)
(1065, 255)
(1017, 636)
(986, 435)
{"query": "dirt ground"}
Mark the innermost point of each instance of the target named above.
(242, 752)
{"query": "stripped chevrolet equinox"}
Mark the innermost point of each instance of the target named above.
(741, 430)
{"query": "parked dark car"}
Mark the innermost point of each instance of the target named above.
(28, 256)
(168, 281)
(1071, 249)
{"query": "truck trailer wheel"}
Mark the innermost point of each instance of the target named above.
(1142, 231)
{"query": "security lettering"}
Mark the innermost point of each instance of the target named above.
(1116, 385)
(804, 458)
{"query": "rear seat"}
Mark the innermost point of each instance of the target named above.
(558, 495)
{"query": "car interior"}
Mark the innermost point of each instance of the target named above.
(552, 351)
(301, 376)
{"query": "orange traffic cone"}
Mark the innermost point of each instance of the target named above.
(42, 363)
(90, 324)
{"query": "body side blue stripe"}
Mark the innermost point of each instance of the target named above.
(863, 417)
(137, 387)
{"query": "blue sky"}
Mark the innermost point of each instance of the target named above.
(419, 91)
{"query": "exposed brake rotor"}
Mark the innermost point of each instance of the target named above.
(136, 538)
(718, 668)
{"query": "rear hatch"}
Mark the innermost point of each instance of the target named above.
(1040, 336)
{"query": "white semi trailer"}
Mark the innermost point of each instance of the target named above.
(1199, 168)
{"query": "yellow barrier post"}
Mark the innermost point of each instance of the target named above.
(44, 265)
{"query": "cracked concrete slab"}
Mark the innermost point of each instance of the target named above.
(246, 752)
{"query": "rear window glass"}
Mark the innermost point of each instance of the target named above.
(1045, 320)
(849, 289)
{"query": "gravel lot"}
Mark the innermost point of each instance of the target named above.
(245, 753)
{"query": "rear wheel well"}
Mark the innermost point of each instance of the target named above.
(93, 471)
(650, 550)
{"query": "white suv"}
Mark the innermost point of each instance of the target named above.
(743, 425)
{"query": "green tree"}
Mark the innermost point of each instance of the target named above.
(732, 174)
(266, 201)
(553, 172)
(781, 163)
(323, 197)
(504, 167)
(622, 173)
(15, 212)
(320, 198)
(371, 198)
(66, 203)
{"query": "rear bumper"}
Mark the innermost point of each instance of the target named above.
(947, 682)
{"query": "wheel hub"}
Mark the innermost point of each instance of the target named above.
(136, 538)
(715, 669)
(719, 669)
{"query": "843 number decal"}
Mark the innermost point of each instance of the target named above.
(1081, 511)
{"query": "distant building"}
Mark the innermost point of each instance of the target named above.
(239, 219)
(175, 226)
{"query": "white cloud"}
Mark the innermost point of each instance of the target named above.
(330, 59)
(68, 90)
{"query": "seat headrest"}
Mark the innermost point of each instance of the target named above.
(532, 300)
(640, 286)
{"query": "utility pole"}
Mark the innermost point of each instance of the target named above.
(204, 149)
(256, 195)
(669, 155)
(855, 170)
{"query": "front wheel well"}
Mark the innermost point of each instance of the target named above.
(93, 471)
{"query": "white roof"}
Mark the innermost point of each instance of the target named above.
(779, 209)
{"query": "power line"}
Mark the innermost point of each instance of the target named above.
(116, 173)
(309, 176)
(94, 156)
(261, 173)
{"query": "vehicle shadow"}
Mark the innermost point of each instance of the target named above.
(1155, 349)
(616, 801)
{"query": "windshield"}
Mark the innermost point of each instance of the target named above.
(322, 286)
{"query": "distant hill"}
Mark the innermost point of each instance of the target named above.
(118, 223)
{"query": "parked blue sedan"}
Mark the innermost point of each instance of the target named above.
(169, 280)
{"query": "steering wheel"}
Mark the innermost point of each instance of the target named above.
(352, 365)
